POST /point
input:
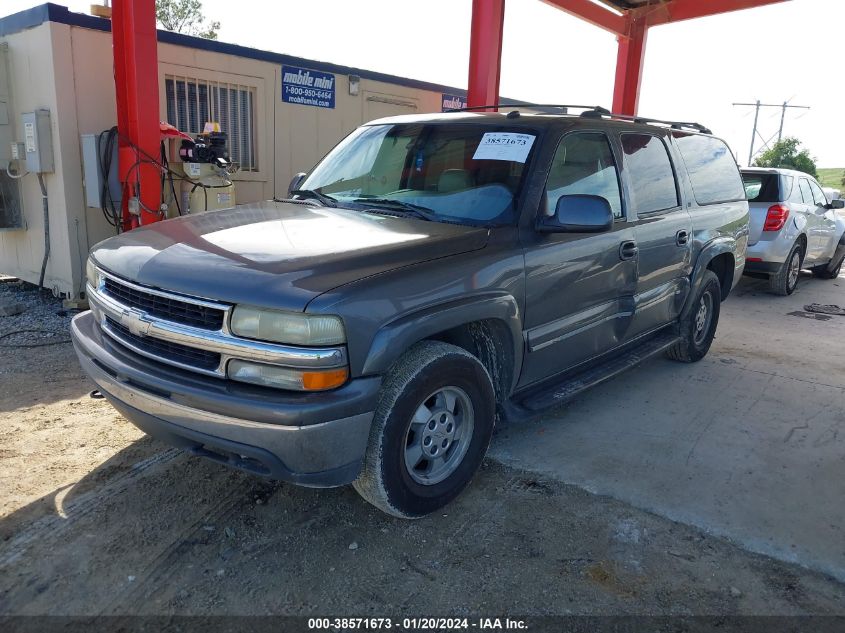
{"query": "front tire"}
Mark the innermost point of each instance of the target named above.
(698, 323)
(430, 432)
(826, 272)
(785, 280)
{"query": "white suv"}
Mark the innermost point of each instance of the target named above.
(793, 226)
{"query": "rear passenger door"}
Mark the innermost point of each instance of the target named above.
(662, 227)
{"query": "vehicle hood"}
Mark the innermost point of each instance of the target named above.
(277, 254)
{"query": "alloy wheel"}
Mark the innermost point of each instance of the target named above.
(439, 435)
(703, 317)
(794, 269)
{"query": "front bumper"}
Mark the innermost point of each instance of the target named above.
(311, 439)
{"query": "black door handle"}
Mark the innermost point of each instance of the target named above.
(682, 238)
(628, 250)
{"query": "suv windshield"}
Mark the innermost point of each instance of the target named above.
(449, 172)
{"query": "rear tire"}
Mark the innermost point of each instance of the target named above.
(698, 322)
(430, 432)
(785, 280)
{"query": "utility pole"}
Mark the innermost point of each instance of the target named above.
(757, 105)
(782, 117)
(753, 131)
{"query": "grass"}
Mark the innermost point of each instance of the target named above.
(831, 177)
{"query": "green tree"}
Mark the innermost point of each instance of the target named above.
(185, 16)
(785, 153)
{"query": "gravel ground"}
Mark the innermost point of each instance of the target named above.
(96, 518)
(43, 322)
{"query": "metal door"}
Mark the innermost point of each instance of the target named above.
(579, 287)
(663, 230)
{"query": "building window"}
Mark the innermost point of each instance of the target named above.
(193, 102)
(11, 216)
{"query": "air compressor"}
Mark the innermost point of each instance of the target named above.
(195, 171)
(207, 184)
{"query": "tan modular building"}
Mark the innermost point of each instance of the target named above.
(55, 60)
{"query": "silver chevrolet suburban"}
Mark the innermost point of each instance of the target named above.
(431, 276)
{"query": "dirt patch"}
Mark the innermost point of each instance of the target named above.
(99, 519)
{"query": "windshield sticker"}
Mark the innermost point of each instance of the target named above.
(508, 146)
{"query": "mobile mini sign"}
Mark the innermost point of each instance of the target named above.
(452, 102)
(308, 87)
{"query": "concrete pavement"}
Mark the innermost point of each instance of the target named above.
(748, 444)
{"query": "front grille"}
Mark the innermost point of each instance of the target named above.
(174, 310)
(173, 352)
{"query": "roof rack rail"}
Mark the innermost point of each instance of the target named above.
(504, 106)
(595, 112)
(675, 125)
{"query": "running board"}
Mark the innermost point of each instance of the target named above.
(537, 402)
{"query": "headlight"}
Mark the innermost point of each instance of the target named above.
(287, 327)
(285, 377)
(91, 273)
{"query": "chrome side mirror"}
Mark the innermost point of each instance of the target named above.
(295, 182)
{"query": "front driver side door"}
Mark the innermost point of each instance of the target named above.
(579, 286)
(813, 222)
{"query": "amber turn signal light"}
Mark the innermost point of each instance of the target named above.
(322, 380)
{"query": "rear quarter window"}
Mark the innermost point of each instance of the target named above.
(711, 167)
(761, 187)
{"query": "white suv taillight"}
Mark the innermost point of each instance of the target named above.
(776, 217)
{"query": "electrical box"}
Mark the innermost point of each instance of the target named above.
(95, 164)
(91, 171)
(38, 141)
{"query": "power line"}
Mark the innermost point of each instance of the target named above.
(754, 134)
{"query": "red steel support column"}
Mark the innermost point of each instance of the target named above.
(629, 67)
(136, 88)
(485, 52)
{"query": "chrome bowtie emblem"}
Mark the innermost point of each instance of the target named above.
(135, 321)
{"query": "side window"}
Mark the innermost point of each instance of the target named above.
(788, 190)
(806, 194)
(818, 195)
(583, 164)
(712, 168)
(649, 172)
(796, 196)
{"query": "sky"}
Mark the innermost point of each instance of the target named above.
(694, 70)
